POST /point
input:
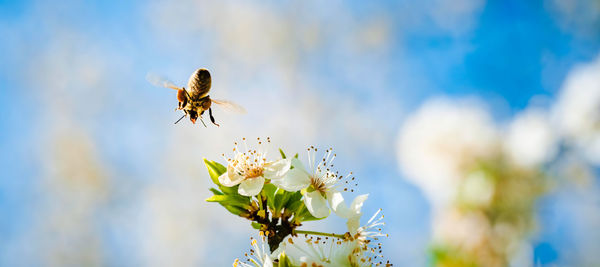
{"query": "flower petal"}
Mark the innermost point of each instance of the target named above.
(230, 178)
(353, 222)
(294, 180)
(276, 169)
(297, 164)
(353, 225)
(316, 204)
(341, 254)
(357, 203)
(338, 205)
(268, 261)
(251, 187)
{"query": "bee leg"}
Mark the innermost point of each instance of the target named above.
(203, 122)
(212, 119)
(180, 119)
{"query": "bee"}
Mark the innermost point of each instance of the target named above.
(195, 100)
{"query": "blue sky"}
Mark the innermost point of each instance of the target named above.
(329, 74)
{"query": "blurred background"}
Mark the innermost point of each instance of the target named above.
(473, 124)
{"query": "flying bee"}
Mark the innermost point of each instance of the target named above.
(195, 100)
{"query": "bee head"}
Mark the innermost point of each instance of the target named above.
(182, 98)
(193, 116)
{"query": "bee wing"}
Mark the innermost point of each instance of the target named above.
(160, 81)
(229, 106)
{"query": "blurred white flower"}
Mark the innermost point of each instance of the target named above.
(577, 110)
(530, 140)
(438, 145)
(322, 185)
(477, 189)
(465, 230)
(250, 168)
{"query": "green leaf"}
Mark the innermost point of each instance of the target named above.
(230, 190)
(239, 201)
(294, 201)
(296, 156)
(305, 215)
(282, 154)
(215, 191)
(256, 225)
(269, 190)
(214, 170)
(281, 199)
(294, 207)
(278, 202)
(308, 217)
(233, 209)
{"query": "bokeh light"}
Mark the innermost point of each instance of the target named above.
(473, 124)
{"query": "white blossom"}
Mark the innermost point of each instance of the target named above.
(530, 140)
(466, 230)
(322, 186)
(259, 255)
(477, 189)
(356, 248)
(438, 145)
(250, 168)
(577, 111)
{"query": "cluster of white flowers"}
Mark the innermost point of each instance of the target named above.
(441, 141)
(577, 111)
(482, 178)
(279, 194)
(358, 247)
(250, 169)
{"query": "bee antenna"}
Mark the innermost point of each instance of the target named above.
(179, 119)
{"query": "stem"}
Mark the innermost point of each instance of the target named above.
(281, 231)
(318, 233)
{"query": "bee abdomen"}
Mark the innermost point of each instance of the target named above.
(199, 83)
